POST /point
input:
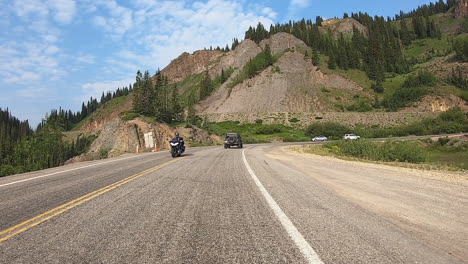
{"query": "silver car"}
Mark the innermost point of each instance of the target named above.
(320, 138)
(351, 136)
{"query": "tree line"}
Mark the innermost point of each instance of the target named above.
(156, 98)
(67, 119)
(377, 52)
(24, 150)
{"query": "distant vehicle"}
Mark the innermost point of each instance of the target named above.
(320, 138)
(233, 139)
(351, 136)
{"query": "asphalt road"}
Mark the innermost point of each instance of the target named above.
(258, 205)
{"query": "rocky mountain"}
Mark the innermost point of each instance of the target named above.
(293, 87)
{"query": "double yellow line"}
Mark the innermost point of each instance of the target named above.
(28, 224)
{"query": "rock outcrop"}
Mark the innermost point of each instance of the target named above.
(343, 26)
(187, 64)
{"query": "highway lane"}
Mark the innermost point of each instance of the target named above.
(204, 208)
(24, 196)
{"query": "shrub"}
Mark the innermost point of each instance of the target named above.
(443, 141)
(405, 151)
(103, 153)
(268, 130)
(402, 97)
(412, 90)
(360, 106)
(378, 87)
(259, 121)
(6, 170)
(331, 130)
(455, 114)
(294, 120)
(129, 116)
(460, 46)
(422, 78)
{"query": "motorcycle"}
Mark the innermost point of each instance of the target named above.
(176, 148)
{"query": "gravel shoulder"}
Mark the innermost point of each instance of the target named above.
(432, 205)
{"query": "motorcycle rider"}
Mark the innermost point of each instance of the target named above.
(179, 139)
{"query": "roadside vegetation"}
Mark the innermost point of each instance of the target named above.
(258, 132)
(36, 150)
(412, 90)
(452, 121)
(446, 153)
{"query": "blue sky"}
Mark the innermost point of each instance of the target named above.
(58, 53)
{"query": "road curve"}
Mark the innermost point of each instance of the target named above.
(209, 207)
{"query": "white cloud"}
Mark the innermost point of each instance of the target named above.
(31, 93)
(295, 6)
(162, 30)
(27, 8)
(300, 3)
(95, 89)
(25, 62)
(64, 10)
(22, 77)
(88, 59)
(269, 12)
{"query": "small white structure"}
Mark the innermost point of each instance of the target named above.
(149, 140)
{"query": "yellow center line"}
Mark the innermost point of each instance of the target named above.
(28, 224)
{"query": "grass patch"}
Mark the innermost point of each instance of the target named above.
(399, 151)
(423, 47)
(104, 111)
(449, 157)
(149, 119)
(358, 76)
(453, 155)
(129, 116)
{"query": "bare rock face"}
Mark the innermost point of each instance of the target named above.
(343, 26)
(236, 58)
(282, 41)
(187, 64)
(293, 84)
(461, 9)
(432, 103)
(117, 137)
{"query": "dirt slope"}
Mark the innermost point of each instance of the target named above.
(297, 87)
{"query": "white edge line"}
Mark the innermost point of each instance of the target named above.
(307, 251)
(58, 172)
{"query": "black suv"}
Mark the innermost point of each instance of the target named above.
(232, 139)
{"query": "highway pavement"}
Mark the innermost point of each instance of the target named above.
(260, 204)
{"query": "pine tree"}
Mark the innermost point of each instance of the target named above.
(223, 77)
(315, 57)
(331, 62)
(318, 21)
(176, 108)
(206, 86)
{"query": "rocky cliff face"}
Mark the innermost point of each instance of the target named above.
(461, 9)
(188, 64)
(293, 84)
(342, 26)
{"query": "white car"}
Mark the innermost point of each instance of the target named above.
(320, 138)
(351, 136)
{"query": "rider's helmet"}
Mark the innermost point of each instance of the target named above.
(177, 134)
